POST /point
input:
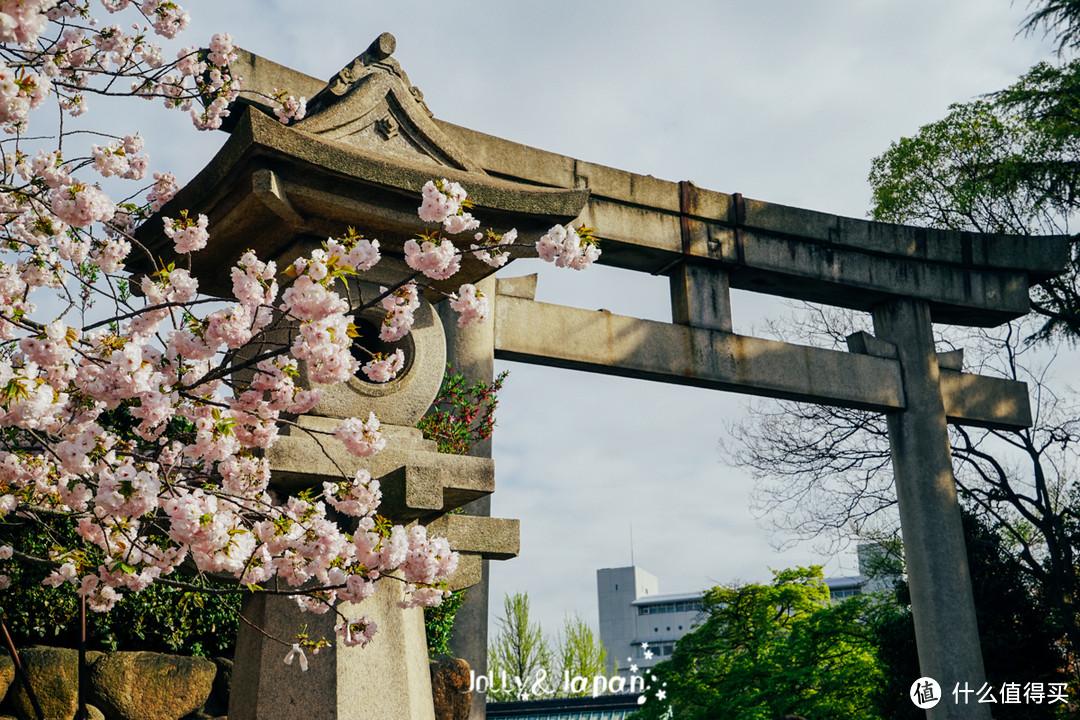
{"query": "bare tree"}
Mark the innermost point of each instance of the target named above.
(826, 473)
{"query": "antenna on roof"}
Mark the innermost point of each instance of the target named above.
(631, 543)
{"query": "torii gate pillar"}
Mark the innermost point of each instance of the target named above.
(941, 600)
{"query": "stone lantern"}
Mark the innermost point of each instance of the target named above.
(358, 160)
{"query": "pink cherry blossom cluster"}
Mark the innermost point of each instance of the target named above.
(436, 260)
(288, 107)
(148, 424)
(22, 21)
(187, 235)
(120, 158)
(361, 438)
(486, 252)
(359, 631)
(471, 304)
(400, 306)
(440, 200)
(566, 248)
(20, 92)
(446, 202)
(384, 367)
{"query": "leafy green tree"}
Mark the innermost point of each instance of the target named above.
(521, 650)
(518, 652)
(1058, 17)
(579, 653)
(1000, 166)
(769, 650)
(1008, 163)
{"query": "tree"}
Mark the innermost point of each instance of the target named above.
(1061, 17)
(523, 663)
(578, 654)
(998, 166)
(144, 420)
(1009, 163)
(769, 650)
(824, 470)
(1019, 639)
(519, 652)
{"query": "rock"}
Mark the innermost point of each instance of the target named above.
(7, 673)
(54, 676)
(93, 713)
(450, 689)
(199, 714)
(218, 702)
(150, 686)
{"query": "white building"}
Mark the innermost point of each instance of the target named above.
(871, 578)
(638, 626)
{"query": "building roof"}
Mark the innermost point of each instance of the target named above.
(604, 707)
(669, 598)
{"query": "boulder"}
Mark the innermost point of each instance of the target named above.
(450, 689)
(150, 686)
(54, 676)
(7, 673)
(218, 702)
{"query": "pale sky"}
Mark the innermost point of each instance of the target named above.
(785, 101)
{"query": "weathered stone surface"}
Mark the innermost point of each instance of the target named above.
(94, 713)
(450, 689)
(492, 538)
(600, 341)
(387, 680)
(941, 600)
(417, 482)
(150, 686)
(967, 278)
(54, 676)
(7, 673)
(321, 187)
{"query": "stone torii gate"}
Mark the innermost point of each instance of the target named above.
(360, 158)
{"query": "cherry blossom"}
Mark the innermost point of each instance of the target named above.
(361, 438)
(146, 417)
(566, 248)
(471, 304)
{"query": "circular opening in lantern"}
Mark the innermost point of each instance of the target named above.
(368, 345)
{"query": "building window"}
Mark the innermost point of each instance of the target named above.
(686, 606)
(844, 593)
